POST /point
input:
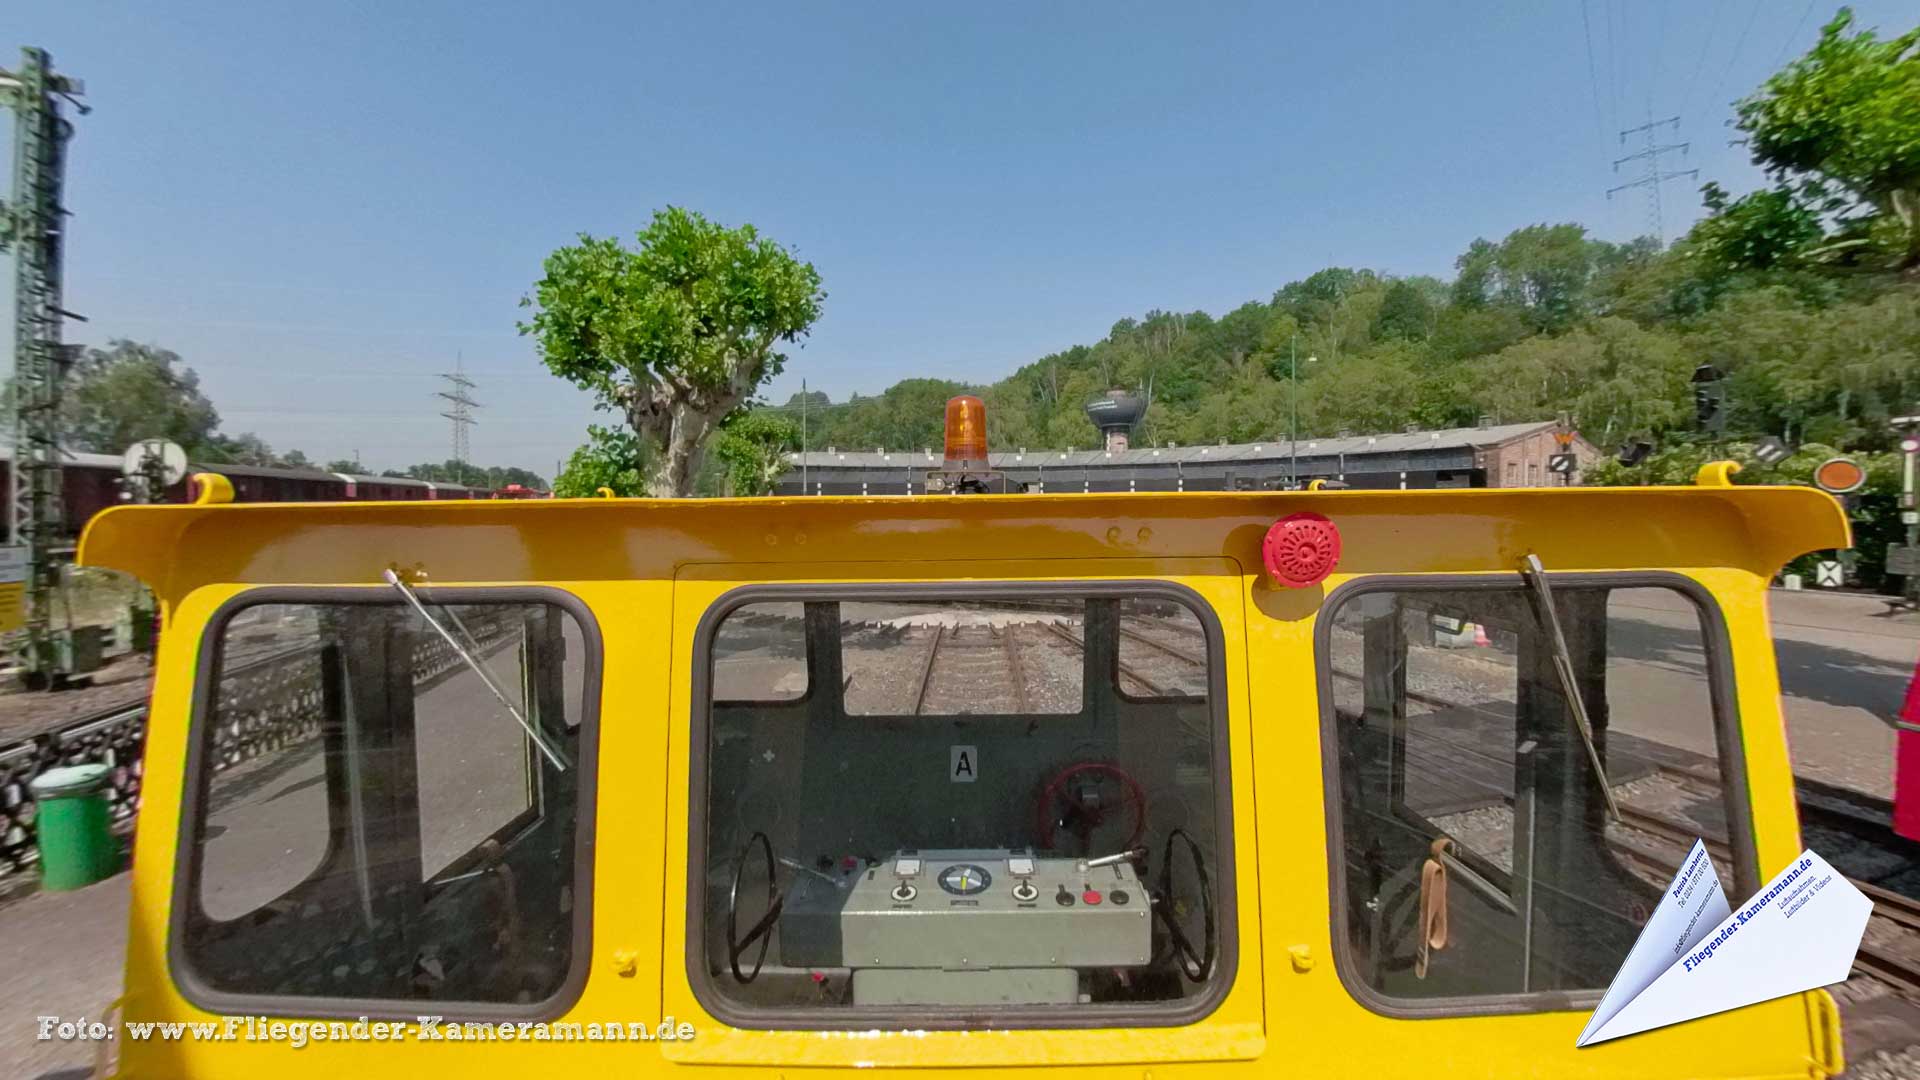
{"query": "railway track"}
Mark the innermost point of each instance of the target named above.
(1899, 969)
(1895, 963)
(995, 668)
(1012, 647)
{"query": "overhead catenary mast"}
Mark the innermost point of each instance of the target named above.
(33, 227)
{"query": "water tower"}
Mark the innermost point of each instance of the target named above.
(1115, 413)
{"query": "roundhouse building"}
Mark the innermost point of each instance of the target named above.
(1494, 455)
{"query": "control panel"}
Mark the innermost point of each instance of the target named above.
(969, 911)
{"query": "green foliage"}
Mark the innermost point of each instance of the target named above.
(675, 332)
(611, 458)
(245, 448)
(129, 391)
(753, 445)
(911, 414)
(1843, 117)
(1873, 510)
(1762, 230)
(490, 477)
(1405, 313)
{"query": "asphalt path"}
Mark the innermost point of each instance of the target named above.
(1844, 668)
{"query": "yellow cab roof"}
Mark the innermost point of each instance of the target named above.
(175, 549)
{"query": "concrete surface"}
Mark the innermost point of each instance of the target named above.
(60, 955)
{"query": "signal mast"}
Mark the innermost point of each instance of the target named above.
(33, 226)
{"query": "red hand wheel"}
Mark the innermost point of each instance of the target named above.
(1063, 796)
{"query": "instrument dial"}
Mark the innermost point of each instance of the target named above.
(965, 879)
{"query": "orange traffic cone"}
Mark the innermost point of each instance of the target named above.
(1480, 636)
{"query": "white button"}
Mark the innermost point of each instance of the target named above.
(905, 867)
(1020, 866)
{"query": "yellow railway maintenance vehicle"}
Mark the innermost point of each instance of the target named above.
(1328, 783)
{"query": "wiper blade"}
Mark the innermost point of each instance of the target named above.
(1536, 575)
(551, 753)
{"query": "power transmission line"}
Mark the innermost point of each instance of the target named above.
(1654, 177)
(1613, 64)
(1787, 46)
(461, 414)
(1593, 74)
(1693, 80)
(1737, 45)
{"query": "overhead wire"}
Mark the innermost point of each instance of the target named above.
(1613, 64)
(1721, 83)
(1787, 46)
(1593, 73)
(1693, 80)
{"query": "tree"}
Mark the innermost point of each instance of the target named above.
(1844, 115)
(674, 333)
(611, 458)
(1761, 230)
(910, 415)
(753, 444)
(343, 465)
(245, 448)
(1404, 314)
(127, 392)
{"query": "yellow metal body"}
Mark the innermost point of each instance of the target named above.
(648, 570)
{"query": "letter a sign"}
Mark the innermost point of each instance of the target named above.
(963, 764)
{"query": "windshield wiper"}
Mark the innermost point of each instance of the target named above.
(1536, 576)
(551, 753)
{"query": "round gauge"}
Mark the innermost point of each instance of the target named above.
(965, 879)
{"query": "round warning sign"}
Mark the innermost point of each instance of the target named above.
(1839, 475)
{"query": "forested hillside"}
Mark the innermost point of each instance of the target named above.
(1544, 321)
(1803, 293)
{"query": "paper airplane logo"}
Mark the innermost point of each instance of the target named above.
(1697, 956)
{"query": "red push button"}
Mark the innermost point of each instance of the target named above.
(1091, 896)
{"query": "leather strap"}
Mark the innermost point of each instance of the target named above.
(1433, 907)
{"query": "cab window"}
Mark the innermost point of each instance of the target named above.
(1477, 858)
(374, 819)
(1005, 807)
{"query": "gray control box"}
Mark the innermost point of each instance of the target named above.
(968, 911)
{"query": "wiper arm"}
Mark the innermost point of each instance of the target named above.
(551, 753)
(1536, 576)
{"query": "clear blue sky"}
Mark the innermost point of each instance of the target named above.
(320, 206)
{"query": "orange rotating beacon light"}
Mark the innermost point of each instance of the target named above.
(964, 469)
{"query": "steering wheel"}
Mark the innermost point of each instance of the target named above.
(1061, 797)
(1195, 964)
(762, 931)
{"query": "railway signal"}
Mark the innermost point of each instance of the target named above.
(1838, 476)
(1771, 451)
(1709, 398)
(1909, 429)
(149, 468)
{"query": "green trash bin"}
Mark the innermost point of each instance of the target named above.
(76, 846)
